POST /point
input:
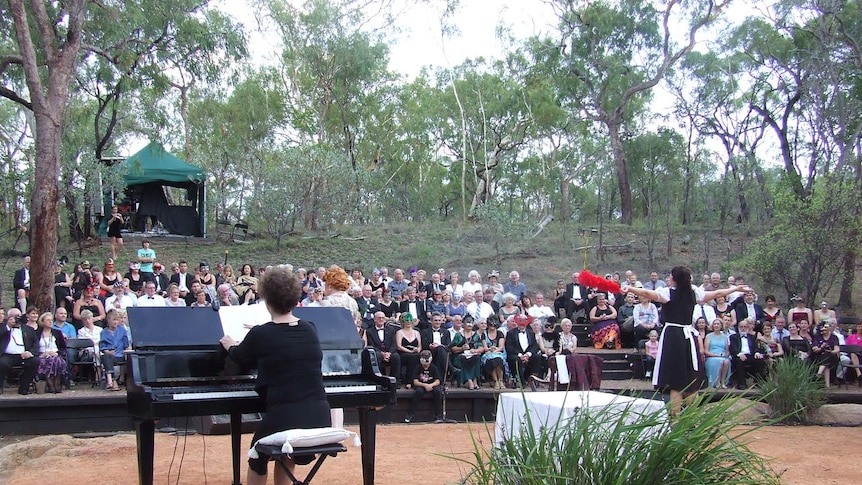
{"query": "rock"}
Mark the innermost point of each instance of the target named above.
(747, 412)
(27, 451)
(838, 415)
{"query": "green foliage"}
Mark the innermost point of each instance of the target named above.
(792, 390)
(802, 253)
(502, 225)
(700, 446)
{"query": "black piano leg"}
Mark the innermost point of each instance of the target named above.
(145, 433)
(235, 443)
(368, 436)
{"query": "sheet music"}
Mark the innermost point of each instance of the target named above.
(237, 320)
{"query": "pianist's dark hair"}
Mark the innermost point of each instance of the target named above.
(281, 289)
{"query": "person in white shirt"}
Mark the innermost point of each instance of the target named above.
(473, 283)
(540, 310)
(150, 298)
(477, 307)
(119, 300)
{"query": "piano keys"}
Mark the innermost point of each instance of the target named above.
(178, 368)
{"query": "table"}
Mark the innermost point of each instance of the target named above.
(556, 408)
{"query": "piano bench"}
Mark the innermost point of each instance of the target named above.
(274, 452)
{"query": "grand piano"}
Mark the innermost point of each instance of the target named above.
(178, 368)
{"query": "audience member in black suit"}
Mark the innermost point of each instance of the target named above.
(382, 338)
(488, 297)
(577, 300)
(192, 297)
(367, 304)
(437, 340)
(20, 346)
(21, 283)
(184, 280)
(746, 355)
(748, 309)
(160, 279)
(522, 350)
(435, 285)
(418, 306)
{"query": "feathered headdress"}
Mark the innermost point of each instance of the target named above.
(592, 281)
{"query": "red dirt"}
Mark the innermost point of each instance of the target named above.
(802, 455)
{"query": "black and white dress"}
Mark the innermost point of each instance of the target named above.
(677, 365)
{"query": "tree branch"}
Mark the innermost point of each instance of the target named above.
(13, 96)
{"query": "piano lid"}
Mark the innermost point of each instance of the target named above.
(180, 328)
(335, 327)
(163, 328)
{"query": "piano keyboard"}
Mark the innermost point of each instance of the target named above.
(189, 396)
(345, 389)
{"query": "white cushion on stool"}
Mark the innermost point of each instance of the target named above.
(303, 438)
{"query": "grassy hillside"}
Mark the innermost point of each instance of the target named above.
(542, 260)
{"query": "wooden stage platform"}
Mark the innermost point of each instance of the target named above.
(85, 409)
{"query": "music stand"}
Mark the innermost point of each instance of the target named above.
(445, 393)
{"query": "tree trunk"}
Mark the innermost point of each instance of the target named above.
(845, 295)
(564, 200)
(43, 211)
(47, 78)
(622, 172)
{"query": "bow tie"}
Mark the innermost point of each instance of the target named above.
(151, 297)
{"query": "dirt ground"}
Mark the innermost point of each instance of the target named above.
(422, 453)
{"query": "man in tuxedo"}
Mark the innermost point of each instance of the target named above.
(183, 280)
(522, 349)
(367, 306)
(160, 279)
(20, 346)
(577, 297)
(437, 340)
(746, 355)
(382, 338)
(21, 283)
(748, 309)
(415, 306)
(436, 284)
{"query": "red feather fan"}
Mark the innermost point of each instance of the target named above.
(592, 281)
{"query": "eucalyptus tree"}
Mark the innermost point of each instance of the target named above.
(805, 63)
(609, 56)
(334, 76)
(49, 41)
(711, 100)
(481, 124)
(235, 137)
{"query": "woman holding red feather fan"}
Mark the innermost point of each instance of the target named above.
(678, 353)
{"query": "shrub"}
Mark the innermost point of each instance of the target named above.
(699, 446)
(792, 391)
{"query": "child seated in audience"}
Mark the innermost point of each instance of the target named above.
(651, 347)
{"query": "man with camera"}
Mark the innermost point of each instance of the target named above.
(20, 346)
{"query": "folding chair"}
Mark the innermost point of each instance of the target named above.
(274, 452)
(82, 343)
(853, 351)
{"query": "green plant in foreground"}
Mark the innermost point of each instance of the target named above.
(621, 446)
(792, 390)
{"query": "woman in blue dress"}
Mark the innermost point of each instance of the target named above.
(717, 354)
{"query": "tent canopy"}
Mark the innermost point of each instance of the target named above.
(152, 168)
(154, 164)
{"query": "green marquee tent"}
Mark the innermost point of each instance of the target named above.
(152, 169)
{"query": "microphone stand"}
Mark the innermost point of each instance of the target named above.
(445, 392)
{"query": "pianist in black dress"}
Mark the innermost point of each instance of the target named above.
(286, 353)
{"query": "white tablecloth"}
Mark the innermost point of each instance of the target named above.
(552, 408)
